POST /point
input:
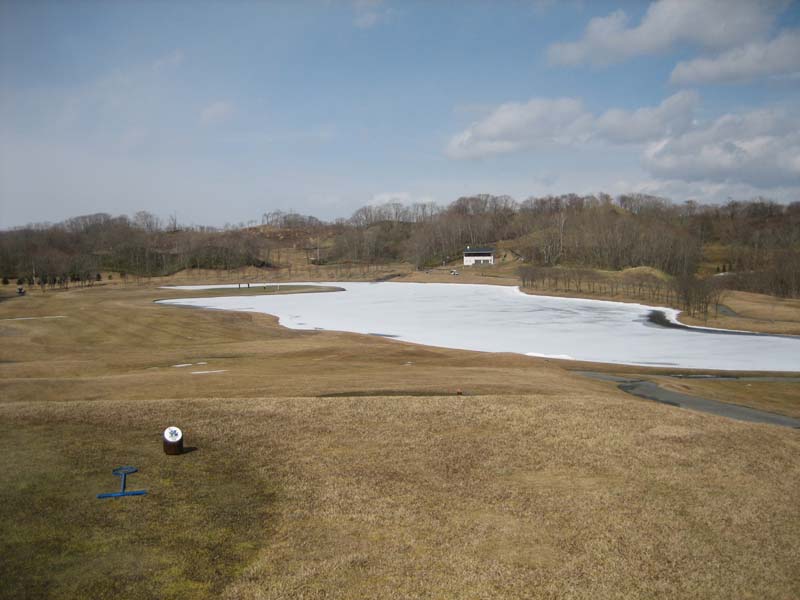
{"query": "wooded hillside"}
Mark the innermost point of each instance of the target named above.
(756, 243)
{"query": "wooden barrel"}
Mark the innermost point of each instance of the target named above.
(173, 440)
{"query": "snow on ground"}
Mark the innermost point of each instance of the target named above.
(491, 318)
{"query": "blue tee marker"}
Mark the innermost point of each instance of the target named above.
(123, 473)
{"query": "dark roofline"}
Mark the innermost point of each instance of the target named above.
(478, 251)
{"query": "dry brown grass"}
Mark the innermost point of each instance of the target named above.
(755, 312)
(296, 270)
(247, 289)
(537, 483)
(773, 396)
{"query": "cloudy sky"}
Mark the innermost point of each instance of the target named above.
(218, 112)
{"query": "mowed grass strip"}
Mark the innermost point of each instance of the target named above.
(247, 290)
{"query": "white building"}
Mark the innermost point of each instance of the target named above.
(478, 256)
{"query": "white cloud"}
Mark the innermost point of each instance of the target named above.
(216, 112)
(512, 127)
(369, 13)
(387, 197)
(673, 116)
(118, 109)
(132, 139)
(709, 23)
(169, 61)
(541, 6)
(703, 191)
(759, 148)
(780, 56)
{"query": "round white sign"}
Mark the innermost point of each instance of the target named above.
(173, 434)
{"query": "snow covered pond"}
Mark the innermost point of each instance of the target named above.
(493, 318)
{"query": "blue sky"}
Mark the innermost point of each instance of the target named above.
(218, 112)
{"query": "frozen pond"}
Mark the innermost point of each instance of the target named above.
(493, 318)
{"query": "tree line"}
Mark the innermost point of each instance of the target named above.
(760, 238)
(78, 249)
(758, 241)
(692, 294)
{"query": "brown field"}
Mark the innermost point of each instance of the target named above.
(772, 396)
(758, 312)
(332, 465)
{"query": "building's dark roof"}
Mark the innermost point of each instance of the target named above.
(468, 251)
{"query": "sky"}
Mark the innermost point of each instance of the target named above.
(218, 112)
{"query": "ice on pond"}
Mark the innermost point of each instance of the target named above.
(492, 318)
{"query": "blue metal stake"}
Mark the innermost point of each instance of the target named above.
(122, 473)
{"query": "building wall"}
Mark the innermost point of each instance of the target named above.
(477, 260)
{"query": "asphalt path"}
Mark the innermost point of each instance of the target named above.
(652, 391)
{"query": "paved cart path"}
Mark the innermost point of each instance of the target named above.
(652, 391)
